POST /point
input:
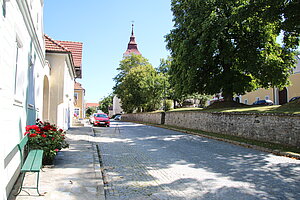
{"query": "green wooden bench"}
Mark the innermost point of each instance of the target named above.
(32, 163)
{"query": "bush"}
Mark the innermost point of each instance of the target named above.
(46, 137)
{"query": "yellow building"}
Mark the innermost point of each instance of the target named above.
(79, 105)
(279, 97)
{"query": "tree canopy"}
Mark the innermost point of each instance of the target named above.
(138, 85)
(229, 46)
(105, 103)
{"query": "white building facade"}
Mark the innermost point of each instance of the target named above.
(28, 90)
(23, 68)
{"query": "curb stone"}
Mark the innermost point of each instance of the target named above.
(97, 167)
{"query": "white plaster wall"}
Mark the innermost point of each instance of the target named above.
(56, 84)
(61, 90)
(117, 106)
(13, 106)
(68, 96)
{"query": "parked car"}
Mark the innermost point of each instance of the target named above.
(263, 103)
(294, 98)
(101, 119)
(92, 118)
(117, 117)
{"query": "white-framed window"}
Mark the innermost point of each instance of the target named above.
(76, 95)
(246, 101)
(267, 97)
(76, 111)
(19, 73)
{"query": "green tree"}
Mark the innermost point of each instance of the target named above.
(128, 63)
(106, 102)
(228, 46)
(90, 110)
(138, 85)
(163, 70)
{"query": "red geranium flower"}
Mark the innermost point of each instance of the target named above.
(32, 135)
(28, 127)
(56, 150)
(47, 128)
(32, 127)
(43, 135)
(60, 130)
(27, 132)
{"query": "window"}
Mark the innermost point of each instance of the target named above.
(76, 95)
(257, 98)
(246, 101)
(76, 111)
(101, 115)
(267, 97)
(19, 73)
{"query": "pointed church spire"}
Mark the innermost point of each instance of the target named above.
(132, 35)
(132, 45)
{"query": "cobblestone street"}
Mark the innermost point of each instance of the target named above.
(144, 162)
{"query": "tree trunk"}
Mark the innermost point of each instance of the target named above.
(228, 96)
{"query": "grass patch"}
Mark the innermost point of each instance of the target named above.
(249, 109)
(289, 108)
(185, 109)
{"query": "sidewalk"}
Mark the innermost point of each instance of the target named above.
(75, 174)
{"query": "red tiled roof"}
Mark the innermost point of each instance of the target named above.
(87, 105)
(53, 45)
(76, 49)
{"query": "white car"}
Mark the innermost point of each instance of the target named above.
(117, 117)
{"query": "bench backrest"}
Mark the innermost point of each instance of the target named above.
(21, 146)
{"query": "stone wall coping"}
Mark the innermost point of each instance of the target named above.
(225, 113)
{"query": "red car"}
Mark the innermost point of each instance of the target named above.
(101, 119)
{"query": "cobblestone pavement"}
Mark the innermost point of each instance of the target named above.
(144, 162)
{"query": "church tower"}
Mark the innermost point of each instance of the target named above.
(132, 46)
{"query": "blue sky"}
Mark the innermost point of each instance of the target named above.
(104, 27)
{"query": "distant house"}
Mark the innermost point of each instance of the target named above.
(89, 105)
(23, 72)
(279, 97)
(61, 84)
(79, 105)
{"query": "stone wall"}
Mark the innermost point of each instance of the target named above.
(154, 118)
(276, 128)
